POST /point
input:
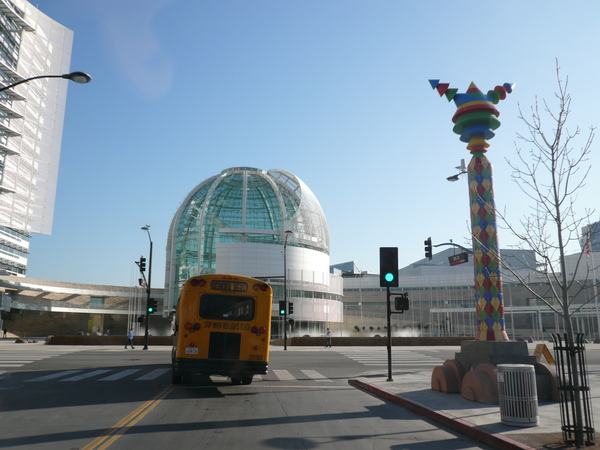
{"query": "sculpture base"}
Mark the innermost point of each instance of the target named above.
(473, 353)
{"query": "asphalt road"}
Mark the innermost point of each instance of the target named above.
(106, 397)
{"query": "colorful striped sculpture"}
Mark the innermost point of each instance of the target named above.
(475, 120)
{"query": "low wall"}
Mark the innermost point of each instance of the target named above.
(109, 340)
(372, 341)
(295, 341)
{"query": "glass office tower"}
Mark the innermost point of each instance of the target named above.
(31, 124)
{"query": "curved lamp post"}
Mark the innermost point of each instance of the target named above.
(147, 230)
(77, 77)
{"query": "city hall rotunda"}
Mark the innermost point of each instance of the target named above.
(236, 222)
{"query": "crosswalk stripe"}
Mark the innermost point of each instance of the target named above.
(14, 361)
(379, 357)
(283, 375)
(316, 375)
(402, 363)
(153, 375)
(11, 358)
(79, 375)
(119, 375)
(87, 375)
(55, 375)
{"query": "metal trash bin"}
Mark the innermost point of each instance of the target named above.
(517, 393)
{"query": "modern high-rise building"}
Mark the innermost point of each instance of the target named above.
(237, 222)
(590, 237)
(31, 124)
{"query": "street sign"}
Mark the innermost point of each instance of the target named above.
(458, 258)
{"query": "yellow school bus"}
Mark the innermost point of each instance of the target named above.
(222, 327)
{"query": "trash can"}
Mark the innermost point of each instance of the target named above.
(517, 394)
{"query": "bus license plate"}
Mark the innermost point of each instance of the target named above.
(191, 350)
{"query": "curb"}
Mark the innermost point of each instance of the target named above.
(476, 432)
(3, 375)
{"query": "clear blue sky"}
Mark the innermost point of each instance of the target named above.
(333, 91)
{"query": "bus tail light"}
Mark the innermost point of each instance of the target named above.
(256, 347)
(262, 330)
(198, 282)
(254, 330)
(192, 344)
(192, 326)
(260, 287)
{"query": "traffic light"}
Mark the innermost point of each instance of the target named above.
(428, 253)
(388, 266)
(152, 306)
(291, 321)
(282, 307)
(142, 264)
(140, 319)
(290, 308)
(401, 302)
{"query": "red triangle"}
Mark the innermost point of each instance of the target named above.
(442, 87)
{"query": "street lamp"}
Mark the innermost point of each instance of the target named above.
(287, 234)
(147, 230)
(462, 170)
(77, 77)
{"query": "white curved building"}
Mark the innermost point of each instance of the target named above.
(235, 222)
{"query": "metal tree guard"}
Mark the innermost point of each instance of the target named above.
(577, 426)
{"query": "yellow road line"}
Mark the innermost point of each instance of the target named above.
(112, 434)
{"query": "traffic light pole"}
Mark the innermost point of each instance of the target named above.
(389, 324)
(285, 303)
(464, 249)
(148, 294)
(285, 313)
(388, 277)
(389, 327)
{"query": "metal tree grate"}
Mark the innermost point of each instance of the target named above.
(574, 392)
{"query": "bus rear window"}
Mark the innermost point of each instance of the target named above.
(226, 307)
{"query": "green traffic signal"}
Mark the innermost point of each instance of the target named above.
(152, 306)
(388, 266)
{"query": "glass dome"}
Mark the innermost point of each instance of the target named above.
(242, 204)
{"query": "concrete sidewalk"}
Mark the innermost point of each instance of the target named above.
(412, 389)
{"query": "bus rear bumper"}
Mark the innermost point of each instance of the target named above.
(225, 367)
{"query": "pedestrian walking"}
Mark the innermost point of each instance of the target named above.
(130, 338)
(328, 338)
(5, 332)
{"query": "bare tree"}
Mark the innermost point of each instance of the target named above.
(550, 174)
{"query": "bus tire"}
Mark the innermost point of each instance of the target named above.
(236, 380)
(247, 379)
(177, 378)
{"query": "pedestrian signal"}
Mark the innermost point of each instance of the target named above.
(401, 302)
